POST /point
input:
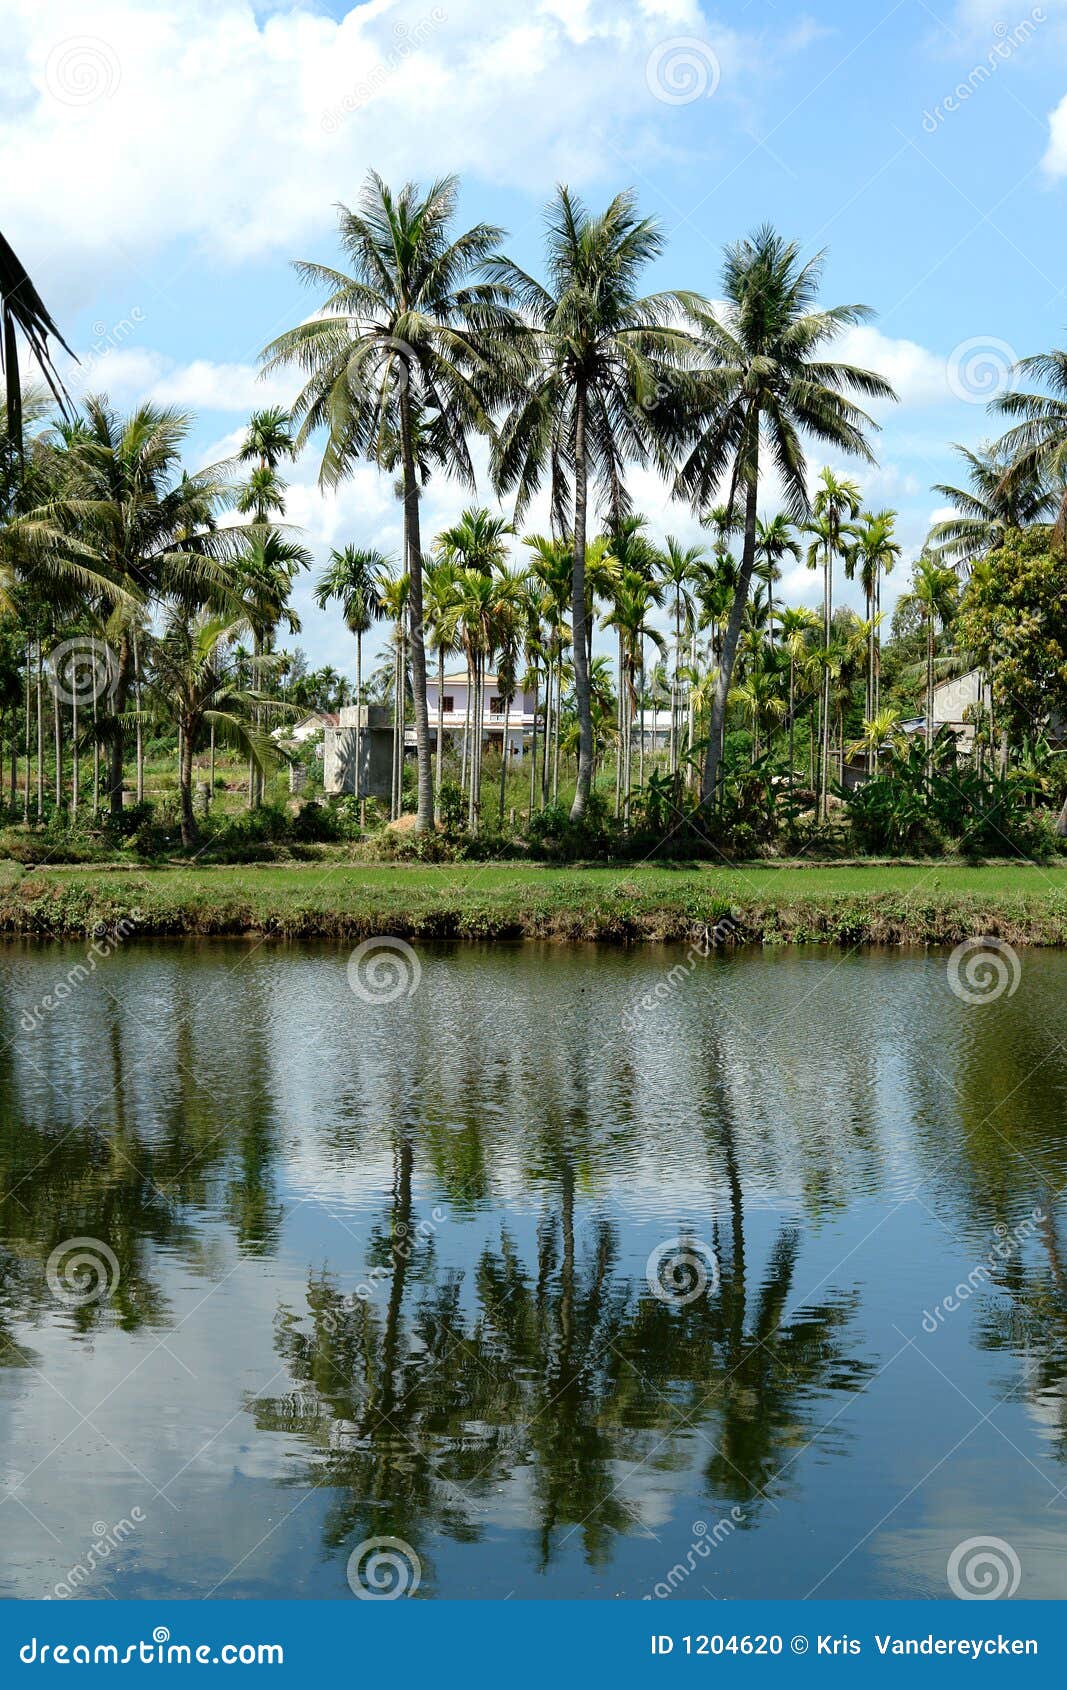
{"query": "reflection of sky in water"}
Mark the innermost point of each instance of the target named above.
(841, 1131)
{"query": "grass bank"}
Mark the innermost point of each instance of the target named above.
(897, 903)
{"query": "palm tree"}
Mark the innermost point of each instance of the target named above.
(677, 566)
(23, 309)
(196, 680)
(268, 439)
(935, 591)
(775, 541)
(401, 361)
(994, 502)
(872, 552)
(394, 591)
(552, 569)
(147, 529)
(265, 572)
(798, 626)
(1035, 448)
(835, 507)
(441, 605)
(606, 389)
(352, 578)
(769, 382)
(629, 612)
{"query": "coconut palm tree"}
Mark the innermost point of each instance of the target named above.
(607, 387)
(402, 360)
(1035, 448)
(196, 681)
(935, 591)
(351, 578)
(149, 530)
(770, 382)
(871, 553)
(441, 606)
(835, 507)
(23, 310)
(993, 502)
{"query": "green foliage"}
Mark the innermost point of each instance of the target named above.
(1014, 618)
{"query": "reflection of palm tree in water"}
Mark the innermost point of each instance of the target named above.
(563, 1373)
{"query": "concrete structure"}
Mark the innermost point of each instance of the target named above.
(310, 727)
(374, 776)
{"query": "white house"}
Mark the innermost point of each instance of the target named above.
(453, 713)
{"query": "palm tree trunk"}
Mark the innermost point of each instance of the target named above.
(728, 654)
(190, 833)
(824, 750)
(140, 735)
(26, 782)
(413, 540)
(556, 734)
(533, 738)
(792, 723)
(40, 734)
(439, 770)
(359, 728)
(582, 692)
(641, 718)
(504, 758)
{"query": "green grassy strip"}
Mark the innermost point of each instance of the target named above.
(894, 904)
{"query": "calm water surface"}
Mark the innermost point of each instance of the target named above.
(383, 1269)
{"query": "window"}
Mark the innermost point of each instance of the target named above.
(496, 707)
(448, 704)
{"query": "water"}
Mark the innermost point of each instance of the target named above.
(382, 1269)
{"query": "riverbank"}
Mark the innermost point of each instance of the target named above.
(895, 903)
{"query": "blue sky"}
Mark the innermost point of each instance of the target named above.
(164, 162)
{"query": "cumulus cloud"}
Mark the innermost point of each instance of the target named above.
(224, 128)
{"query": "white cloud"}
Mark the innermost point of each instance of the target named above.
(1055, 159)
(206, 126)
(917, 375)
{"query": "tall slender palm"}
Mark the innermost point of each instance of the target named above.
(871, 553)
(351, 578)
(798, 627)
(994, 502)
(441, 606)
(268, 439)
(552, 568)
(775, 541)
(835, 507)
(935, 591)
(402, 359)
(770, 380)
(677, 566)
(629, 614)
(606, 390)
(395, 593)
